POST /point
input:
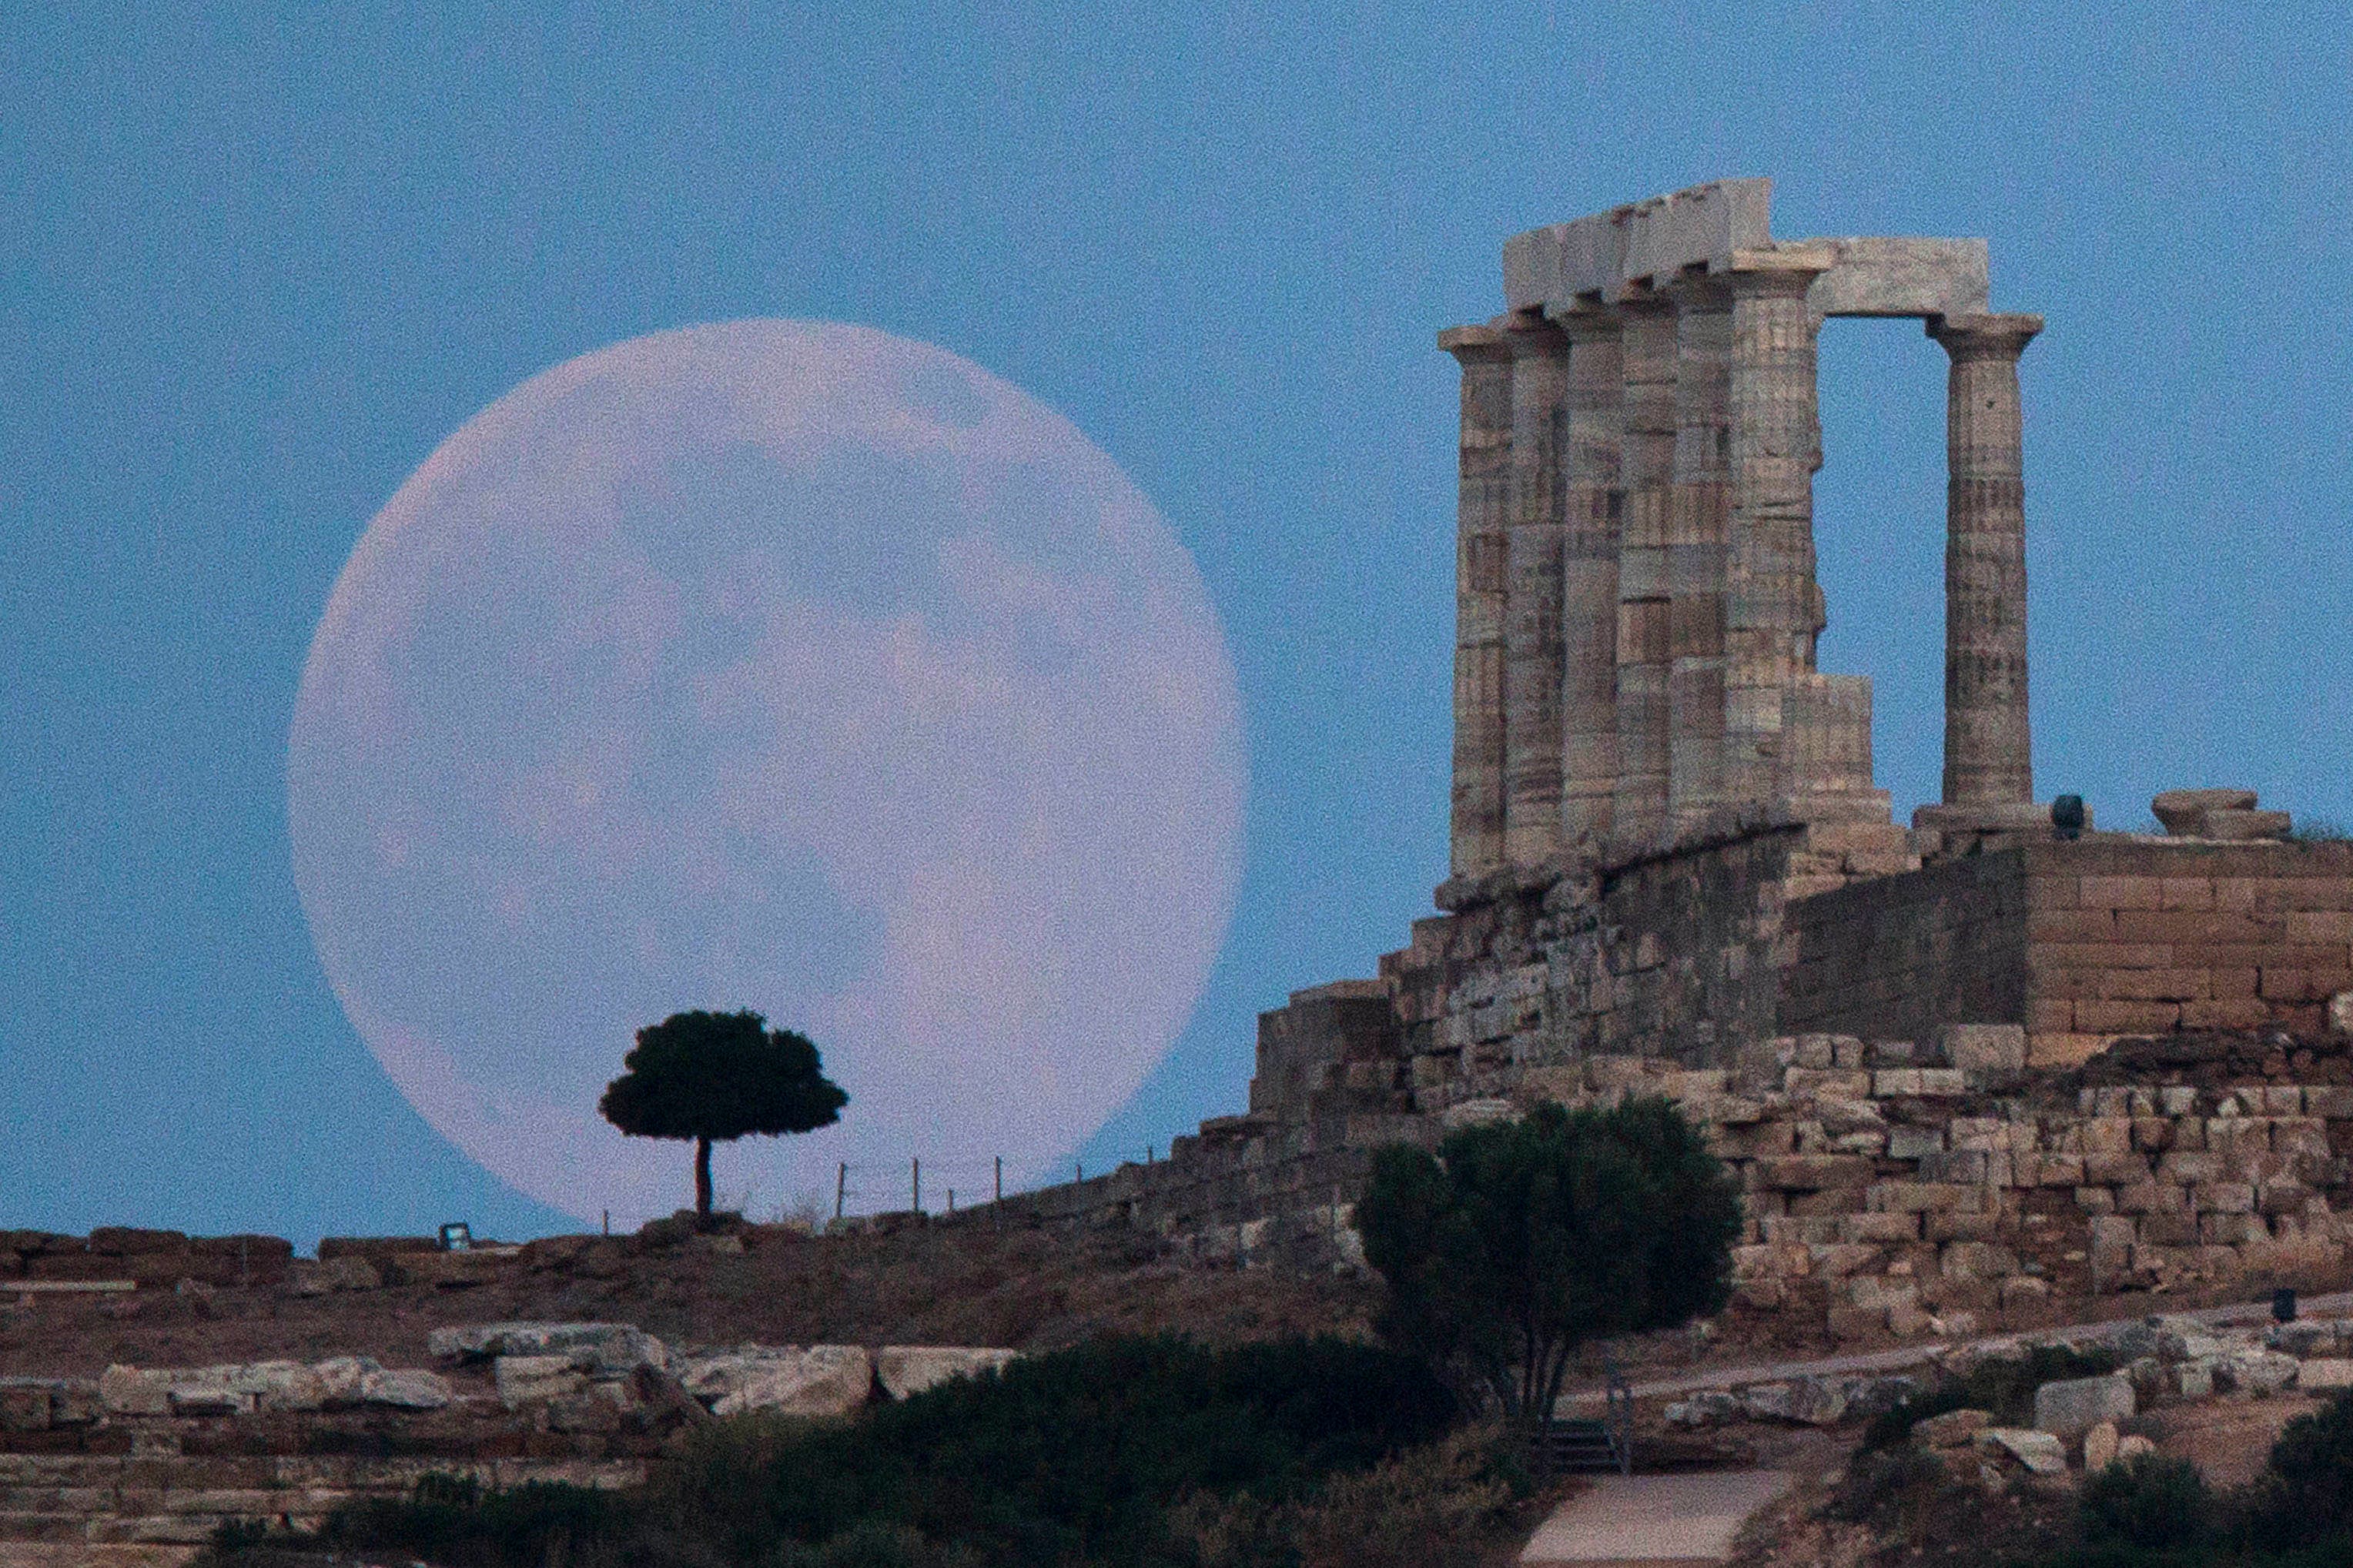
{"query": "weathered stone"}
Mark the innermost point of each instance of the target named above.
(1703, 1410)
(2100, 1446)
(135, 1391)
(2068, 1408)
(818, 1380)
(2040, 1452)
(1805, 1401)
(2259, 1373)
(1953, 1429)
(2325, 1372)
(907, 1369)
(406, 1388)
(524, 1380)
(1985, 1047)
(594, 1347)
(342, 1379)
(2132, 1445)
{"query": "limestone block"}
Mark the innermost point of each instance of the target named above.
(2225, 1197)
(406, 1388)
(2132, 1445)
(2183, 812)
(2100, 1446)
(2068, 1408)
(1856, 1323)
(2040, 1452)
(2196, 1379)
(342, 1379)
(1953, 1429)
(2020, 1291)
(2340, 1014)
(1805, 1401)
(1913, 1142)
(536, 1380)
(1835, 1083)
(1878, 1227)
(1890, 1082)
(1810, 1172)
(2178, 1100)
(195, 1393)
(2245, 826)
(1984, 1047)
(816, 1380)
(906, 1370)
(2260, 1373)
(2325, 1373)
(1701, 1411)
(1977, 1260)
(593, 1347)
(135, 1391)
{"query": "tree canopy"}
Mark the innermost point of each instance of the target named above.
(1521, 1241)
(717, 1076)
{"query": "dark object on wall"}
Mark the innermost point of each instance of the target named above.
(2067, 816)
(2283, 1306)
(457, 1236)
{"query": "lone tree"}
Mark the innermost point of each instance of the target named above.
(1523, 1240)
(715, 1077)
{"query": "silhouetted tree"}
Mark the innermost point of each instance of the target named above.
(714, 1078)
(1523, 1240)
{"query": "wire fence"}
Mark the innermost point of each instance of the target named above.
(923, 1183)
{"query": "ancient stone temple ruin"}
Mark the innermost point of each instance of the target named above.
(1638, 604)
(1925, 1049)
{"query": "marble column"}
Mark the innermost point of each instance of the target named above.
(1987, 751)
(1531, 589)
(1483, 493)
(1696, 548)
(1591, 512)
(1770, 594)
(1646, 474)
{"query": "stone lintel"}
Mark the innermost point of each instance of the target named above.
(1902, 278)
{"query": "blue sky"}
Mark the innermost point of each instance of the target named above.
(255, 263)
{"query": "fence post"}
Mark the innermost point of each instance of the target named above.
(919, 1185)
(1000, 1178)
(841, 1187)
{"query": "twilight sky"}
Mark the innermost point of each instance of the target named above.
(255, 267)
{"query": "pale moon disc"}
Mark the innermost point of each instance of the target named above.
(768, 663)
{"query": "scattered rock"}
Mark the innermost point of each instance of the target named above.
(1953, 1429)
(906, 1370)
(2259, 1373)
(1703, 1410)
(2068, 1408)
(2041, 1453)
(406, 1388)
(134, 1390)
(818, 1380)
(2100, 1445)
(2326, 1371)
(2132, 1445)
(1806, 1401)
(524, 1380)
(592, 1347)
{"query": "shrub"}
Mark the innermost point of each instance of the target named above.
(1523, 1240)
(2149, 1501)
(2306, 1494)
(1440, 1506)
(2002, 1388)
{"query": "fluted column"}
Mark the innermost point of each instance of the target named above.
(1988, 747)
(1591, 508)
(1646, 476)
(1532, 605)
(1481, 517)
(1769, 607)
(1696, 550)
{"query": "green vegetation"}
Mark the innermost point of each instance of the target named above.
(1140, 1453)
(717, 1076)
(1522, 1241)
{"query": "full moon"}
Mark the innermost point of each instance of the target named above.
(780, 665)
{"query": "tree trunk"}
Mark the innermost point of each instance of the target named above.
(702, 1178)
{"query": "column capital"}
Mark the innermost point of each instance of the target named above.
(1587, 321)
(1984, 337)
(1481, 342)
(1697, 290)
(1526, 334)
(1784, 271)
